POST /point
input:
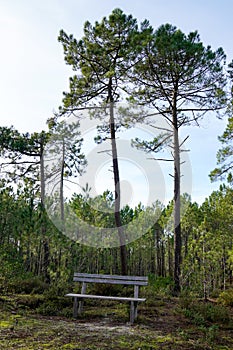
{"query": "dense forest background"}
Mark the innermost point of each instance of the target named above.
(27, 251)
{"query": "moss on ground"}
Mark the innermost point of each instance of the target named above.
(160, 326)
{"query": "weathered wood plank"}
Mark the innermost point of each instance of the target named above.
(80, 304)
(136, 292)
(110, 281)
(104, 297)
(75, 311)
(133, 311)
(111, 277)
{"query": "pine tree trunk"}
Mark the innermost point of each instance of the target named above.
(158, 253)
(177, 227)
(62, 209)
(46, 250)
(117, 191)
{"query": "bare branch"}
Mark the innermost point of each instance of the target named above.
(184, 141)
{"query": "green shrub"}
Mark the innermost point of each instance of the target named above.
(56, 289)
(11, 263)
(160, 286)
(27, 285)
(2, 285)
(212, 334)
(29, 301)
(202, 313)
(59, 306)
(110, 289)
(185, 301)
(226, 298)
(49, 308)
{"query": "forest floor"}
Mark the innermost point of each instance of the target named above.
(160, 325)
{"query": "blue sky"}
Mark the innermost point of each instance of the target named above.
(34, 75)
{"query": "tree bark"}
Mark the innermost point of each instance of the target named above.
(117, 188)
(62, 209)
(46, 250)
(177, 227)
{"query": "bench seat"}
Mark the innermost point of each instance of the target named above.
(106, 297)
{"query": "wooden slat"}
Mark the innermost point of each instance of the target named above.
(140, 278)
(112, 279)
(89, 296)
(86, 279)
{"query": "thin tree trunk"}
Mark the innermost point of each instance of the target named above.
(224, 259)
(158, 255)
(42, 175)
(46, 250)
(163, 270)
(170, 256)
(62, 187)
(117, 189)
(177, 227)
(204, 272)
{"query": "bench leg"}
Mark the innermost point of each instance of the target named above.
(78, 304)
(80, 307)
(81, 302)
(133, 311)
(75, 311)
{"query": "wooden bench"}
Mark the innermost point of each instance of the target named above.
(85, 278)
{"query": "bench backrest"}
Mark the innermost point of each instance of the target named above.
(111, 279)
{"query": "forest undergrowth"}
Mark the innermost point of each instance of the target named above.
(33, 322)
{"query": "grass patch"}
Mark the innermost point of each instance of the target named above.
(226, 298)
(105, 326)
(204, 313)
